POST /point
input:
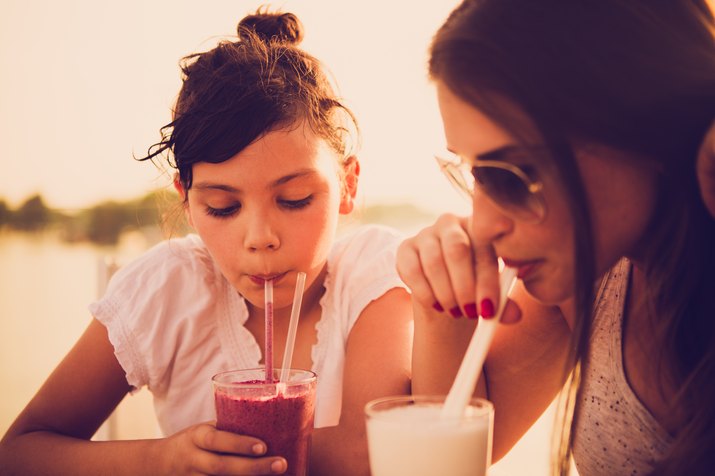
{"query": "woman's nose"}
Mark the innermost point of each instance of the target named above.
(489, 223)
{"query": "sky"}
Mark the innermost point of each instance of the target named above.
(85, 85)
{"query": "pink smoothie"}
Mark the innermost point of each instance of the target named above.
(284, 421)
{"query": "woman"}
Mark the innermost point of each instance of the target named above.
(575, 127)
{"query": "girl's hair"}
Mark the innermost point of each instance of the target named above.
(637, 76)
(241, 90)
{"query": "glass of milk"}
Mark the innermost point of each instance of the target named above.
(407, 435)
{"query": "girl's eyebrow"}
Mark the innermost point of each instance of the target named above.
(206, 185)
(297, 174)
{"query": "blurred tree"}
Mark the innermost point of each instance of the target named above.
(5, 213)
(107, 220)
(32, 215)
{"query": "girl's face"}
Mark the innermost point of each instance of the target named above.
(270, 211)
(621, 199)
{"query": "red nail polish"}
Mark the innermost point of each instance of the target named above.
(487, 308)
(471, 310)
(438, 307)
(456, 312)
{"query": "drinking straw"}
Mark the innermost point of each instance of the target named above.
(471, 368)
(268, 292)
(292, 326)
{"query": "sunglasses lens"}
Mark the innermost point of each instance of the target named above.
(508, 191)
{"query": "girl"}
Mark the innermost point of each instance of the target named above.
(574, 127)
(262, 148)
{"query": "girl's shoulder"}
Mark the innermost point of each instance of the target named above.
(361, 265)
(173, 263)
(365, 241)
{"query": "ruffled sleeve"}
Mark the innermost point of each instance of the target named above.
(361, 268)
(152, 303)
(366, 270)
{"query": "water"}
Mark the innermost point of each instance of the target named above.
(45, 287)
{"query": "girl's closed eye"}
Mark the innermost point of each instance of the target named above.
(296, 204)
(223, 212)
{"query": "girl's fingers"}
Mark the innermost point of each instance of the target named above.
(215, 463)
(207, 437)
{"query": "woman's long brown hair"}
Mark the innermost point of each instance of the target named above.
(637, 76)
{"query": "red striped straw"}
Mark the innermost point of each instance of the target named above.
(268, 288)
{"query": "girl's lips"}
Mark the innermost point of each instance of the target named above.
(524, 268)
(261, 279)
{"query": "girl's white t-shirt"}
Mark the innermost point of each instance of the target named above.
(175, 321)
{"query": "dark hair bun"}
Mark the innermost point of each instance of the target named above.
(282, 27)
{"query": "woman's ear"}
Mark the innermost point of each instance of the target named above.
(706, 169)
(351, 174)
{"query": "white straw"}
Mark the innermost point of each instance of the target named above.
(268, 293)
(293, 326)
(471, 368)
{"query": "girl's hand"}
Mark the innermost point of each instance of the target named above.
(447, 273)
(202, 449)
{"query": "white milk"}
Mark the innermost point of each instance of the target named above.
(412, 440)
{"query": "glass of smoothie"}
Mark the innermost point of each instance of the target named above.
(279, 413)
(407, 435)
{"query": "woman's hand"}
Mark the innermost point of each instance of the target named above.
(202, 449)
(447, 273)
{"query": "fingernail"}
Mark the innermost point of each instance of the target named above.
(258, 449)
(487, 308)
(278, 466)
(438, 307)
(456, 312)
(471, 310)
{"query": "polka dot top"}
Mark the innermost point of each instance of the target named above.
(615, 432)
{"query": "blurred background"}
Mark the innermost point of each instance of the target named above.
(86, 86)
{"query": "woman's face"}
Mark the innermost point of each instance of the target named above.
(270, 211)
(621, 200)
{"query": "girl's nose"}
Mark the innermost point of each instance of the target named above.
(260, 234)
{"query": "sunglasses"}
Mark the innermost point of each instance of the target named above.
(507, 186)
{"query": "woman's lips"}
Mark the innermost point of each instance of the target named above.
(262, 278)
(523, 268)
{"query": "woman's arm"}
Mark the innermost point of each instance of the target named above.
(51, 435)
(525, 366)
(377, 364)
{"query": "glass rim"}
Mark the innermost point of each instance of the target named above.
(308, 376)
(372, 408)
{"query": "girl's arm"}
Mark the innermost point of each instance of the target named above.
(51, 435)
(377, 364)
(525, 366)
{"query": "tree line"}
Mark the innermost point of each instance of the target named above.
(102, 223)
